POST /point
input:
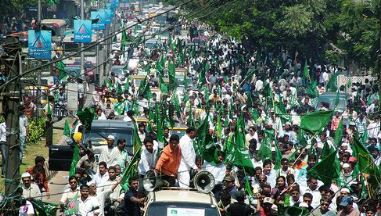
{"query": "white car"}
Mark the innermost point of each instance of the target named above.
(177, 202)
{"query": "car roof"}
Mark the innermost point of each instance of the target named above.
(333, 94)
(111, 124)
(178, 195)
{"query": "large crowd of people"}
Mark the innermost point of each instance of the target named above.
(226, 86)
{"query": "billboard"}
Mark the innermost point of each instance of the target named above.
(82, 31)
(40, 44)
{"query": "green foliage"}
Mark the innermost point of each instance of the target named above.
(36, 129)
(317, 29)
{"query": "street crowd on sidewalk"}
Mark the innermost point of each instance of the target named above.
(253, 120)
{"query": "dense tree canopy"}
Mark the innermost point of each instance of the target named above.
(317, 29)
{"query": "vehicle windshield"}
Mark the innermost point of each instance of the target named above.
(98, 136)
(181, 208)
(331, 101)
(152, 44)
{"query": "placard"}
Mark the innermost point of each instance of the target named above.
(40, 44)
(185, 212)
(100, 15)
(82, 31)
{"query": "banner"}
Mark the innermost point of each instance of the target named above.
(40, 44)
(109, 15)
(100, 15)
(82, 31)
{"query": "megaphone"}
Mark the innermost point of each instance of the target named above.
(151, 181)
(204, 181)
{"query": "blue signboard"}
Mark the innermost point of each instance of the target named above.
(82, 31)
(109, 15)
(40, 44)
(100, 15)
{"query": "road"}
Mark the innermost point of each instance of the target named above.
(60, 179)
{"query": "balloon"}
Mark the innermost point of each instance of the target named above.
(77, 137)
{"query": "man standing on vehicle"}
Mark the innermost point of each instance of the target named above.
(169, 161)
(105, 151)
(188, 157)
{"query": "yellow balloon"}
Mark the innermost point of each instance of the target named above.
(77, 137)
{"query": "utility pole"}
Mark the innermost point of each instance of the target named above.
(39, 11)
(82, 54)
(11, 105)
(38, 101)
(379, 57)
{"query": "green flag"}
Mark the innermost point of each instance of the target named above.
(67, 131)
(163, 86)
(278, 157)
(44, 208)
(86, 116)
(332, 83)
(123, 42)
(119, 89)
(172, 75)
(248, 189)
(327, 169)
(119, 108)
(367, 166)
(131, 170)
(61, 70)
(176, 104)
(312, 90)
(315, 121)
(264, 151)
(49, 111)
(339, 134)
(75, 160)
(326, 150)
(203, 137)
(144, 89)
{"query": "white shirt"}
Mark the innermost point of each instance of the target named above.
(69, 194)
(100, 181)
(188, 155)
(271, 178)
(104, 153)
(118, 157)
(23, 124)
(88, 206)
(217, 170)
(147, 161)
(316, 196)
(32, 192)
(3, 132)
(26, 209)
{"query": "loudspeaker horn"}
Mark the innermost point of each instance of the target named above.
(151, 181)
(204, 181)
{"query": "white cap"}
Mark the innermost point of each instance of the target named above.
(111, 137)
(26, 175)
(346, 165)
(344, 190)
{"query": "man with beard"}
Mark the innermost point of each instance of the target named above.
(30, 190)
(105, 151)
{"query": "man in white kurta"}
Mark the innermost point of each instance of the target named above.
(188, 157)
